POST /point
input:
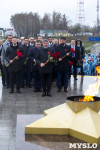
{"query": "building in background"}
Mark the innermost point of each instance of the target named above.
(7, 31)
(54, 33)
(1, 32)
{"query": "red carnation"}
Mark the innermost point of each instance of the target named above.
(72, 50)
(70, 64)
(19, 54)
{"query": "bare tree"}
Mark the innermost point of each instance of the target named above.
(26, 24)
(29, 24)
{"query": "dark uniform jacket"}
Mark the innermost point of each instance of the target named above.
(25, 50)
(42, 57)
(10, 55)
(81, 49)
(32, 55)
(64, 64)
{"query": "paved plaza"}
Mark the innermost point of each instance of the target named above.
(30, 103)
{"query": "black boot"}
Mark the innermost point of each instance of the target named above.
(75, 78)
(39, 90)
(7, 86)
(48, 94)
(65, 90)
(3, 83)
(59, 90)
(44, 94)
(35, 90)
(22, 86)
(12, 91)
(18, 91)
(29, 86)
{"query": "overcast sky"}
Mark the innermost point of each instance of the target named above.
(69, 7)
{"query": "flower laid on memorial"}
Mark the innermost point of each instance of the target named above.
(19, 54)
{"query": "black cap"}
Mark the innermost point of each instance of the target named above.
(63, 38)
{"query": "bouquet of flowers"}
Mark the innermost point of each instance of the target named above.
(53, 57)
(19, 54)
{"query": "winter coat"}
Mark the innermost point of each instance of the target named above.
(81, 49)
(64, 64)
(32, 55)
(6, 44)
(42, 57)
(10, 55)
(25, 50)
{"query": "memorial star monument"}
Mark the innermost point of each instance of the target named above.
(78, 117)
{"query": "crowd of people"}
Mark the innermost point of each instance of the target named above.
(31, 67)
(89, 65)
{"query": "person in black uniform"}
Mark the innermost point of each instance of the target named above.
(35, 68)
(26, 69)
(63, 64)
(46, 70)
(75, 57)
(15, 66)
(1, 66)
(82, 54)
